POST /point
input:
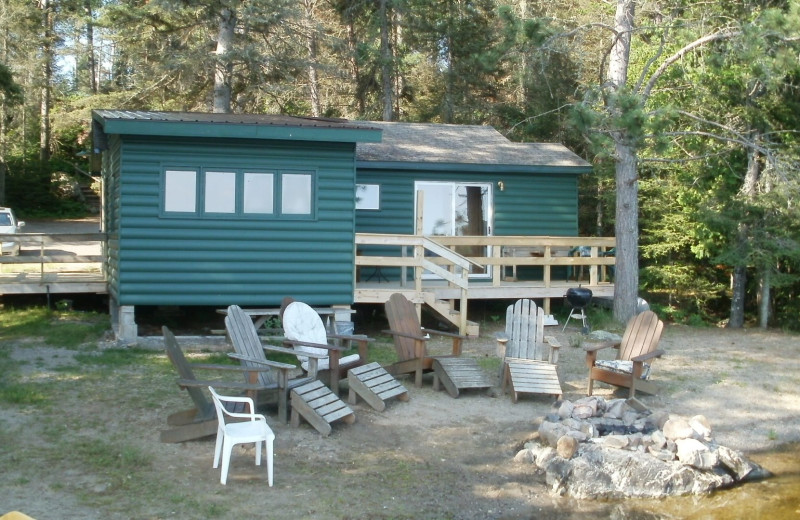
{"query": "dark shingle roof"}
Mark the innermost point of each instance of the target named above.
(460, 144)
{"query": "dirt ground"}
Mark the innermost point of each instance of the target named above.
(431, 457)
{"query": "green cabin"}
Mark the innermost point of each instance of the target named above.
(216, 209)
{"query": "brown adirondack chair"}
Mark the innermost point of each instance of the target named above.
(201, 421)
(630, 369)
(529, 357)
(410, 340)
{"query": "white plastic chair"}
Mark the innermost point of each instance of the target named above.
(229, 434)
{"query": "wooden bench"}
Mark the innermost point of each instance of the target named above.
(318, 405)
(458, 373)
(374, 385)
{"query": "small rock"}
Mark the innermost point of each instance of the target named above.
(659, 441)
(658, 419)
(567, 446)
(662, 455)
(523, 456)
(565, 410)
(583, 411)
(629, 417)
(615, 408)
(572, 424)
(692, 452)
(550, 432)
(741, 468)
(616, 441)
(675, 429)
(701, 426)
(578, 435)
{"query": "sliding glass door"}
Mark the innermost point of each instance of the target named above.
(457, 209)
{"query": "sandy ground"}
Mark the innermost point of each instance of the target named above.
(431, 457)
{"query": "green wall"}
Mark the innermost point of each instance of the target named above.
(167, 260)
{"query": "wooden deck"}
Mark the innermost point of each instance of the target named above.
(60, 263)
(431, 271)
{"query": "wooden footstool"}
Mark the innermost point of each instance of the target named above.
(528, 376)
(319, 406)
(374, 385)
(458, 373)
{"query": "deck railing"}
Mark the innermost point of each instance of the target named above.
(42, 253)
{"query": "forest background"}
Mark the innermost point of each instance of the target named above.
(688, 110)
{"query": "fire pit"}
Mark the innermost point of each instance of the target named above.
(578, 297)
(593, 448)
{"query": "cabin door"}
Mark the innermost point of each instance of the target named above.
(458, 209)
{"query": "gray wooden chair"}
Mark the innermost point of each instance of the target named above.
(250, 352)
(201, 421)
(529, 357)
(307, 396)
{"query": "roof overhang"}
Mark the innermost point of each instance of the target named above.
(234, 126)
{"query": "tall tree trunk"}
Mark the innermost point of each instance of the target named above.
(223, 68)
(92, 64)
(764, 296)
(739, 282)
(627, 212)
(738, 292)
(312, 45)
(47, 78)
(386, 62)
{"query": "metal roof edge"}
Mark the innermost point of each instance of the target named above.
(342, 134)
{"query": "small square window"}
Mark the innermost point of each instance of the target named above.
(180, 191)
(296, 194)
(220, 194)
(259, 196)
(368, 196)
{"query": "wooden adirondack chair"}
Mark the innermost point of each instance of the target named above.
(306, 335)
(529, 357)
(309, 397)
(201, 421)
(410, 343)
(250, 352)
(630, 368)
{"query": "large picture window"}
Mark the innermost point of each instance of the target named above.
(215, 193)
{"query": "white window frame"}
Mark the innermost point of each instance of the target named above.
(368, 196)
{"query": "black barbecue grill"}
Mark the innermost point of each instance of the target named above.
(578, 297)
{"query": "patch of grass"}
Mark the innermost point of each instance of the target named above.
(490, 364)
(23, 393)
(65, 329)
(383, 353)
(772, 435)
(104, 455)
(116, 358)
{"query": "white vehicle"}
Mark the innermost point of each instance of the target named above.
(9, 225)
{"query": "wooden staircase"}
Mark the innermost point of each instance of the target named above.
(446, 310)
(91, 199)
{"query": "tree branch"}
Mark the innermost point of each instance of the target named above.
(721, 35)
